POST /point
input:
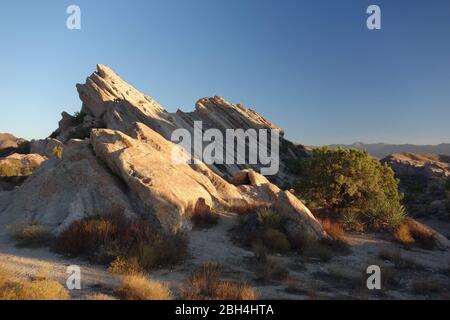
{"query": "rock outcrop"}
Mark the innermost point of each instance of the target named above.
(44, 147)
(169, 190)
(9, 144)
(125, 162)
(424, 178)
(8, 140)
(114, 104)
(61, 191)
(426, 164)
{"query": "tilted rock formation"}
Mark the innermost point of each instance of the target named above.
(114, 104)
(61, 191)
(166, 189)
(172, 190)
(127, 165)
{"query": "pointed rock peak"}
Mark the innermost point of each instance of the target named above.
(104, 87)
(105, 72)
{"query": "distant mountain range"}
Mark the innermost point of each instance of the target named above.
(381, 150)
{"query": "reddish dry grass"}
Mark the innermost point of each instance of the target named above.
(403, 235)
(206, 284)
(103, 239)
(410, 233)
(334, 230)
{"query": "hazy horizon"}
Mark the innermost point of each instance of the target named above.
(311, 67)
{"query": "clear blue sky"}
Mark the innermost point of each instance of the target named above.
(312, 66)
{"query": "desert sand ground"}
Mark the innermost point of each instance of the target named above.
(341, 278)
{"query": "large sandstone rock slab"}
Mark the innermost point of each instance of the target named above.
(257, 189)
(116, 104)
(62, 191)
(167, 189)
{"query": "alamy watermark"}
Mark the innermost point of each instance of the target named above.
(74, 280)
(73, 21)
(374, 20)
(213, 147)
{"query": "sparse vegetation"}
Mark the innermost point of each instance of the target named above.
(423, 237)
(14, 287)
(104, 239)
(98, 296)
(11, 168)
(78, 118)
(57, 152)
(426, 287)
(206, 284)
(31, 235)
(269, 270)
(125, 266)
(399, 261)
(276, 241)
(346, 180)
(202, 215)
(268, 229)
(334, 230)
(403, 235)
(139, 287)
(345, 276)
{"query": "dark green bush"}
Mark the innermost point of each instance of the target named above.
(24, 147)
(347, 180)
(447, 184)
(78, 118)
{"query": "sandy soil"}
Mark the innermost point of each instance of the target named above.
(341, 278)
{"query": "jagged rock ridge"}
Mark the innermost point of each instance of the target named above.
(125, 164)
(110, 102)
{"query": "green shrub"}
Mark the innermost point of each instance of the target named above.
(78, 118)
(271, 219)
(350, 180)
(269, 231)
(276, 241)
(24, 147)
